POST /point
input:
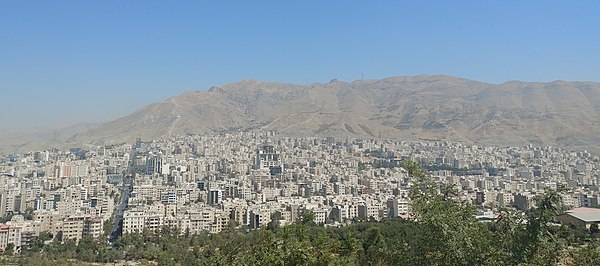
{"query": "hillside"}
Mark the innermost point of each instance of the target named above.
(426, 107)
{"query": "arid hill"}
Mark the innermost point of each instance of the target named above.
(419, 107)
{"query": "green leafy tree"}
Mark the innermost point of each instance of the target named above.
(273, 225)
(107, 228)
(6, 218)
(10, 249)
(587, 255)
(28, 215)
(541, 246)
(594, 230)
(308, 218)
(374, 248)
(451, 234)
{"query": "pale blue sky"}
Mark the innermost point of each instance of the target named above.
(63, 62)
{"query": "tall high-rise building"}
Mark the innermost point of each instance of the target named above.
(154, 164)
(267, 158)
(215, 196)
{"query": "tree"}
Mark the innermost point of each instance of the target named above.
(374, 248)
(38, 242)
(594, 230)
(308, 218)
(6, 217)
(349, 244)
(10, 249)
(451, 234)
(108, 228)
(587, 255)
(86, 249)
(540, 245)
(413, 169)
(28, 214)
(273, 225)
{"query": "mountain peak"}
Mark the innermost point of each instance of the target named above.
(247, 83)
(215, 89)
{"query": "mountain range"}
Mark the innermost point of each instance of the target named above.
(415, 107)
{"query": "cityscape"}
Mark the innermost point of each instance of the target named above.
(300, 133)
(206, 183)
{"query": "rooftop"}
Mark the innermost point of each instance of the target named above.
(585, 214)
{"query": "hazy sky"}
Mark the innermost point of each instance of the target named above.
(63, 62)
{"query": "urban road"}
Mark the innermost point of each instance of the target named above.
(126, 189)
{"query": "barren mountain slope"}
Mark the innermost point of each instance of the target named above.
(431, 107)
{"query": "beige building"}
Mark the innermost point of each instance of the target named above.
(133, 221)
(10, 235)
(77, 227)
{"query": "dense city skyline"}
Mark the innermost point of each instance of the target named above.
(107, 203)
(70, 62)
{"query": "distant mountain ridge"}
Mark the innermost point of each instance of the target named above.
(414, 107)
(12, 140)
